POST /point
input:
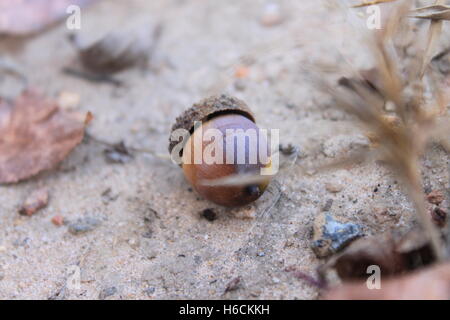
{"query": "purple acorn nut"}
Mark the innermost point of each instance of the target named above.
(207, 155)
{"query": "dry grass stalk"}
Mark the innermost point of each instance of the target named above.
(436, 12)
(433, 38)
(371, 3)
(403, 141)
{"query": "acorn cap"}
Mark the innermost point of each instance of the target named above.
(208, 109)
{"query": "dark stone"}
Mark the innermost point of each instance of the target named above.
(84, 225)
(331, 236)
(107, 292)
(209, 214)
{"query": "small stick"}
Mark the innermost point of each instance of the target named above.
(93, 77)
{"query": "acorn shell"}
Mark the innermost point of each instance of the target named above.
(206, 110)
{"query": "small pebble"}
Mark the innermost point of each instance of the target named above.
(271, 15)
(58, 220)
(107, 292)
(83, 225)
(330, 236)
(328, 205)
(439, 216)
(209, 214)
(68, 100)
(289, 149)
(233, 284)
(149, 291)
(118, 153)
(239, 85)
(334, 187)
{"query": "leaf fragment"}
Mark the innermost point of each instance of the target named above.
(35, 135)
(429, 284)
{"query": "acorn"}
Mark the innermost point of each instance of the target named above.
(215, 147)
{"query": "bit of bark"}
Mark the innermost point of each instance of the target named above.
(37, 200)
(233, 285)
(93, 77)
(35, 135)
(58, 220)
(435, 197)
(118, 153)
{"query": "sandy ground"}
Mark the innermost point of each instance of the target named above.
(152, 242)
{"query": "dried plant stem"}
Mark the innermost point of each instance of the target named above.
(416, 195)
(433, 37)
(371, 3)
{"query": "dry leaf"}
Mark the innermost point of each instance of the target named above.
(428, 284)
(37, 200)
(21, 17)
(35, 135)
(119, 50)
(393, 253)
(435, 197)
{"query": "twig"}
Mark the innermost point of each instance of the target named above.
(93, 77)
(133, 149)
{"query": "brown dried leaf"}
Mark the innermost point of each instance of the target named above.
(393, 253)
(21, 17)
(35, 135)
(37, 200)
(435, 197)
(428, 284)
